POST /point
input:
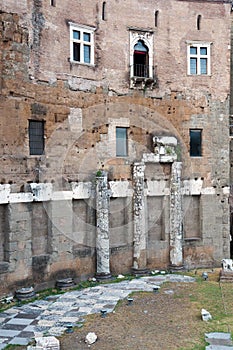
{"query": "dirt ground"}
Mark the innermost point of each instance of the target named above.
(162, 321)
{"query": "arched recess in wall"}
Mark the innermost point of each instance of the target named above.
(156, 18)
(199, 22)
(104, 11)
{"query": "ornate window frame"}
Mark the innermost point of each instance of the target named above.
(147, 36)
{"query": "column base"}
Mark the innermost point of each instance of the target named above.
(176, 268)
(226, 276)
(140, 271)
(103, 276)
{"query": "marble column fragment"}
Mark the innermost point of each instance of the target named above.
(139, 252)
(176, 236)
(102, 226)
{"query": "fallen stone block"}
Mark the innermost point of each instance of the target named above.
(206, 316)
(48, 343)
(91, 338)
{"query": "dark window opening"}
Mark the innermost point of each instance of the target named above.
(156, 18)
(76, 52)
(195, 143)
(121, 142)
(198, 22)
(36, 137)
(53, 3)
(141, 60)
(104, 11)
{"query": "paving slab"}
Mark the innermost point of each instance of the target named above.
(13, 327)
(19, 341)
(8, 333)
(20, 321)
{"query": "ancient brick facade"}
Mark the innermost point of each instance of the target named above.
(167, 208)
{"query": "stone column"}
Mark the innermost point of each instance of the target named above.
(176, 236)
(139, 252)
(102, 226)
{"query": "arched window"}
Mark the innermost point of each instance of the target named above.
(141, 60)
(156, 18)
(198, 22)
(104, 11)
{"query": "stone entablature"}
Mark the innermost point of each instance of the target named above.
(83, 190)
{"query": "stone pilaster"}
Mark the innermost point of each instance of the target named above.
(139, 253)
(18, 250)
(102, 226)
(176, 237)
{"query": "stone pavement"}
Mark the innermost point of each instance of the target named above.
(20, 324)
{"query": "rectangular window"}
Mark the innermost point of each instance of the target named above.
(198, 59)
(81, 44)
(195, 142)
(121, 142)
(36, 137)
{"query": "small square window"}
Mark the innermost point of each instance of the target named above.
(86, 37)
(203, 51)
(36, 137)
(193, 50)
(195, 142)
(76, 34)
(121, 142)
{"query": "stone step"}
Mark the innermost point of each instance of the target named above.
(219, 341)
(219, 347)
